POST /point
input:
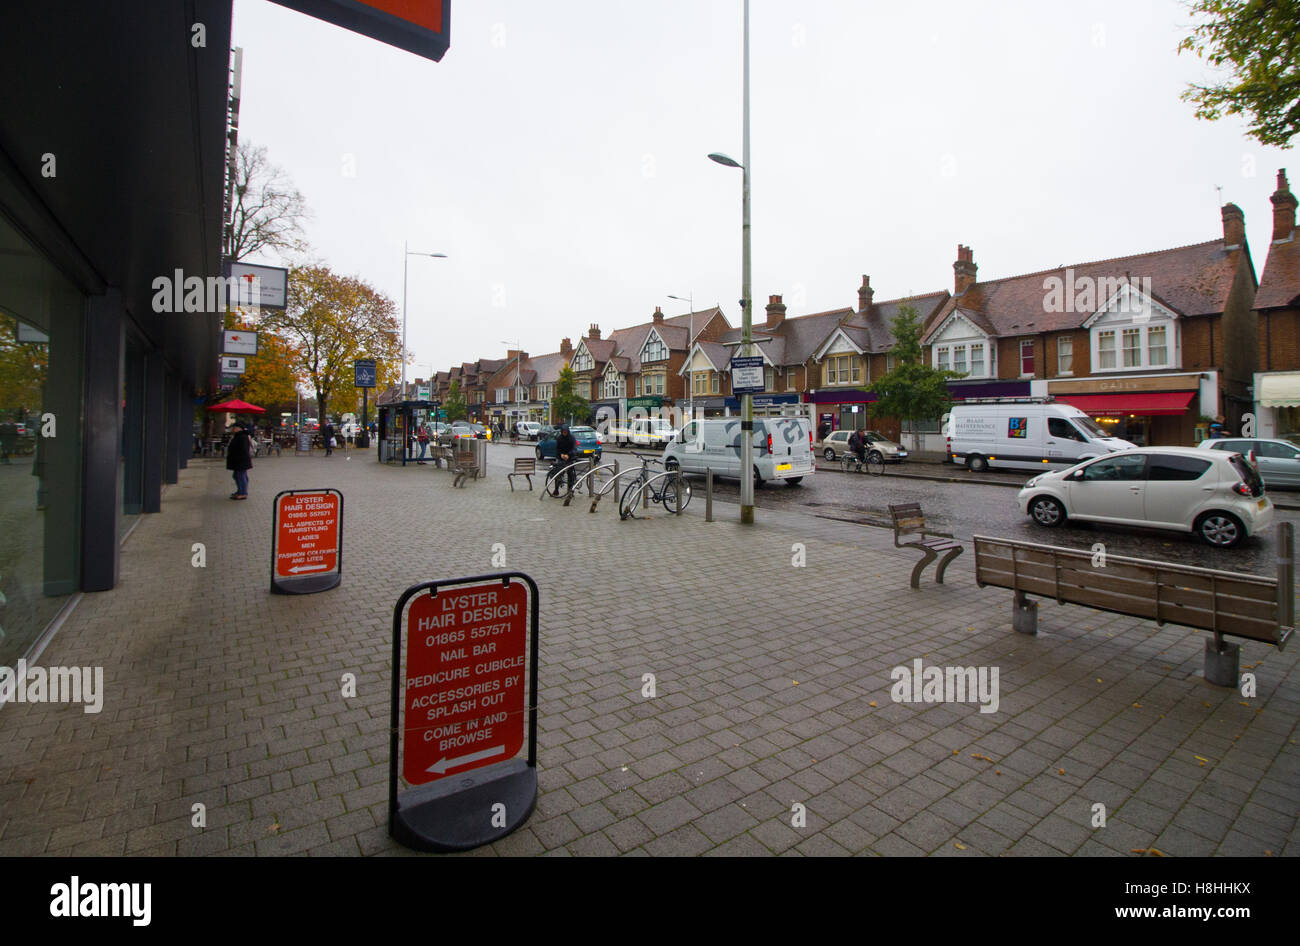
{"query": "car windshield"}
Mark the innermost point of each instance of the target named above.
(1088, 425)
(874, 437)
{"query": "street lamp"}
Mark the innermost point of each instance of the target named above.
(746, 303)
(690, 343)
(406, 255)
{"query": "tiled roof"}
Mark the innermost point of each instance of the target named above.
(1192, 280)
(701, 319)
(717, 353)
(802, 334)
(1279, 286)
(547, 367)
(879, 320)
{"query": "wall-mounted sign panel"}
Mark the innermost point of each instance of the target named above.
(418, 26)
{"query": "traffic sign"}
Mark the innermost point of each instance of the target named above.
(747, 374)
(471, 653)
(365, 372)
(307, 541)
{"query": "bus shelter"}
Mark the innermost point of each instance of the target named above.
(397, 425)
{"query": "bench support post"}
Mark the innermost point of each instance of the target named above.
(1024, 614)
(1222, 662)
(927, 556)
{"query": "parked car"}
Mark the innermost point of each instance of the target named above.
(470, 430)
(588, 443)
(836, 445)
(1278, 461)
(782, 449)
(643, 432)
(1025, 435)
(1215, 494)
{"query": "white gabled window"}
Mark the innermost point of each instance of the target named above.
(582, 361)
(1132, 333)
(654, 349)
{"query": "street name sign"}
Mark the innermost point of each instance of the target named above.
(747, 374)
(470, 668)
(307, 541)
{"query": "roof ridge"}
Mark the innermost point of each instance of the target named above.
(1113, 259)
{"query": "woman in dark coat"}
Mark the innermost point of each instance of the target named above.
(239, 458)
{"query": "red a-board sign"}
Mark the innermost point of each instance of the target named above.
(307, 540)
(466, 675)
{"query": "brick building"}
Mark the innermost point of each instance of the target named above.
(1277, 304)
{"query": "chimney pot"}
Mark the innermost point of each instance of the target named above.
(964, 270)
(865, 295)
(659, 314)
(594, 331)
(775, 312)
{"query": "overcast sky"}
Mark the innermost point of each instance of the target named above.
(557, 154)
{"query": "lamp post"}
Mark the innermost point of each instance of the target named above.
(690, 345)
(406, 255)
(746, 303)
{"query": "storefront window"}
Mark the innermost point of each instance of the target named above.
(41, 368)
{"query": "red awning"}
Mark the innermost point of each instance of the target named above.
(1160, 402)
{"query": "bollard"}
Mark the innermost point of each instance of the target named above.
(708, 494)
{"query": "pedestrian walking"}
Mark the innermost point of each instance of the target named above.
(328, 436)
(239, 459)
(8, 439)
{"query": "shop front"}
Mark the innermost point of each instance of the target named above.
(1150, 410)
(1277, 404)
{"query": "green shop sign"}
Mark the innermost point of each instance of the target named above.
(649, 402)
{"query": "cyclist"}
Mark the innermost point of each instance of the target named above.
(858, 446)
(565, 449)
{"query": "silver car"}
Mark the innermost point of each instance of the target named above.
(836, 445)
(1278, 461)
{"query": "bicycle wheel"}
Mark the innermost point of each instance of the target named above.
(670, 492)
(875, 464)
(554, 482)
(846, 463)
(627, 502)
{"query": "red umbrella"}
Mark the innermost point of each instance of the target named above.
(237, 407)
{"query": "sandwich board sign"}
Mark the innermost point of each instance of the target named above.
(306, 541)
(458, 711)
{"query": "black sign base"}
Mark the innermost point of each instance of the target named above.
(457, 813)
(307, 585)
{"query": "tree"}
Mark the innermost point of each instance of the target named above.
(23, 369)
(913, 391)
(455, 407)
(330, 321)
(1256, 41)
(566, 405)
(267, 211)
(271, 377)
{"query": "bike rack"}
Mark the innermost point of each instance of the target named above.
(554, 473)
(641, 492)
(589, 476)
(608, 485)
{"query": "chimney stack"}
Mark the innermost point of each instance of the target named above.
(1234, 226)
(594, 331)
(775, 312)
(963, 270)
(566, 348)
(1284, 204)
(865, 294)
(659, 315)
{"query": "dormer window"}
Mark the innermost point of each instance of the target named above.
(582, 361)
(654, 349)
(1133, 333)
(962, 347)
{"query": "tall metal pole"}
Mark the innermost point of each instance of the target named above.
(747, 331)
(406, 257)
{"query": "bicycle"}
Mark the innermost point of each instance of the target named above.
(873, 464)
(554, 475)
(665, 493)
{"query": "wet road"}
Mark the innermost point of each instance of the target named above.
(965, 509)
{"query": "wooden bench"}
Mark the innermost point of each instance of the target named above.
(525, 467)
(1249, 606)
(909, 520)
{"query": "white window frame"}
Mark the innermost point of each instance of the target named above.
(1116, 329)
(655, 349)
(1033, 356)
(1066, 358)
(583, 361)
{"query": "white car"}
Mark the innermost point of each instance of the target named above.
(1278, 461)
(1217, 495)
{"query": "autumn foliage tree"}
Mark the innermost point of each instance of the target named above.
(330, 321)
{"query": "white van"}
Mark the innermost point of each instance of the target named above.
(782, 448)
(1025, 435)
(643, 432)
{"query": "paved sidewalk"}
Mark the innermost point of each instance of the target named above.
(773, 686)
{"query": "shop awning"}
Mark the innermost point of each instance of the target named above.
(1145, 403)
(1279, 390)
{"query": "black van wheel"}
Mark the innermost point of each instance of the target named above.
(976, 463)
(794, 481)
(758, 480)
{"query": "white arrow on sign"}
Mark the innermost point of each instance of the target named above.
(443, 764)
(307, 568)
